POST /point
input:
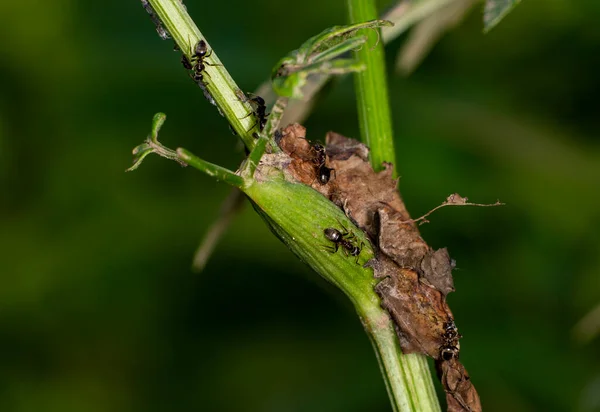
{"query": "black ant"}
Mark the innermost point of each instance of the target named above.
(197, 65)
(200, 53)
(448, 352)
(261, 111)
(343, 239)
(451, 347)
(451, 331)
(323, 171)
(260, 106)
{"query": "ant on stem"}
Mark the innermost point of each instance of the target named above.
(197, 65)
(343, 239)
(259, 106)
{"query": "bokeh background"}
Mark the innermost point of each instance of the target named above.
(99, 310)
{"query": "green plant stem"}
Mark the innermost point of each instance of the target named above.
(254, 158)
(213, 170)
(220, 84)
(407, 377)
(371, 90)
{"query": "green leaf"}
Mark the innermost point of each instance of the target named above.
(317, 56)
(495, 10)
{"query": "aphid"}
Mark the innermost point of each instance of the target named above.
(343, 239)
(323, 172)
(277, 136)
(162, 32)
(186, 62)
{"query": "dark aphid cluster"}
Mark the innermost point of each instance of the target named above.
(344, 239)
(162, 32)
(451, 346)
(197, 65)
(320, 158)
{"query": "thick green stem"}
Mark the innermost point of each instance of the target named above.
(371, 90)
(220, 84)
(407, 377)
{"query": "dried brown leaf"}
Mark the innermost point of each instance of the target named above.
(461, 395)
(414, 279)
(437, 269)
(418, 310)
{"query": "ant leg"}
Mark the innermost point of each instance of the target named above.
(345, 232)
(210, 64)
(345, 252)
(362, 244)
(332, 249)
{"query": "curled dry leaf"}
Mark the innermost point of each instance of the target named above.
(460, 392)
(415, 279)
(418, 310)
(437, 269)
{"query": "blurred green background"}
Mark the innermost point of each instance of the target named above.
(99, 310)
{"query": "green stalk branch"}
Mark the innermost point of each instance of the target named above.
(220, 84)
(371, 90)
(253, 159)
(211, 169)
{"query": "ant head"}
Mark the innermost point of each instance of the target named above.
(449, 325)
(259, 100)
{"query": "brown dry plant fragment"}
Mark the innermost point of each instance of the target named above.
(454, 200)
(293, 142)
(414, 278)
(399, 239)
(461, 395)
(304, 166)
(437, 270)
(419, 311)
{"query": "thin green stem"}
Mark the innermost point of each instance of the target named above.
(211, 169)
(275, 116)
(371, 90)
(253, 158)
(220, 84)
